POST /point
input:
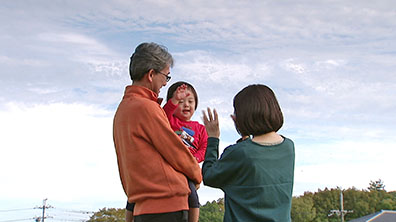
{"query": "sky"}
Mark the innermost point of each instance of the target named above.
(64, 68)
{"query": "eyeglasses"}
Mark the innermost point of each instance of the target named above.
(168, 77)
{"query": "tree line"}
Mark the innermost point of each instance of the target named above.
(309, 207)
(317, 206)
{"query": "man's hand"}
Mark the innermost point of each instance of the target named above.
(211, 122)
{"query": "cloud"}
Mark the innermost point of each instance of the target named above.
(6, 60)
(73, 41)
(82, 48)
(214, 22)
(64, 68)
(326, 96)
(345, 163)
(59, 150)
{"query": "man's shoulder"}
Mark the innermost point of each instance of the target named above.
(139, 105)
(148, 106)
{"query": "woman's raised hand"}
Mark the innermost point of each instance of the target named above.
(211, 122)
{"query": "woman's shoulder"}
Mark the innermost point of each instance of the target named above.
(287, 140)
(239, 146)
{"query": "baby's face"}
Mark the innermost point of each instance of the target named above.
(186, 108)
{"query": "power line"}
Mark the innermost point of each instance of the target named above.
(17, 220)
(82, 220)
(74, 211)
(58, 214)
(16, 210)
(69, 216)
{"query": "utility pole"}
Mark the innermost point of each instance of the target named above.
(342, 206)
(45, 201)
(43, 207)
(340, 212)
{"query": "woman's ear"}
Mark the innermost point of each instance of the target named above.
(233, 117)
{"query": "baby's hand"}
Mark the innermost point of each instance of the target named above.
(179, 94)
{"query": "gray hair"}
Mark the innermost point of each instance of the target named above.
(149, 56)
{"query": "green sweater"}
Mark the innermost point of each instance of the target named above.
(257, 180)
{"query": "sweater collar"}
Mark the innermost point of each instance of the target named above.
(133, 90)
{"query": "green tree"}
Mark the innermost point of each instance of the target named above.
(377, 185)
(108, 215)
(357, 201)
(303, 209)
(376, 197)
(387, 204)
(212, 211)
(310, 207)
(325, 201)
(361, 202)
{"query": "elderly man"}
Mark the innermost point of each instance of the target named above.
(153, 162)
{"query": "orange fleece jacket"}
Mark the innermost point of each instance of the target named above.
(152, 160)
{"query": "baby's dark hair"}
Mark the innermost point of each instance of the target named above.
(174, 86)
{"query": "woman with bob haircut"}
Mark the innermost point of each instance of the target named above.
(256, 174)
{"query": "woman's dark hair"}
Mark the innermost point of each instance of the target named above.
(174, 86)
(257, 111)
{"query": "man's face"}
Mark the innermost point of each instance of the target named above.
(159, 79)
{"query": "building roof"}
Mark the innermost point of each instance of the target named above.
(382, 216)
